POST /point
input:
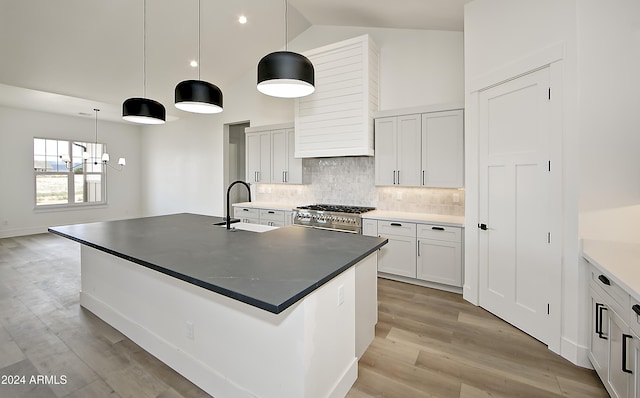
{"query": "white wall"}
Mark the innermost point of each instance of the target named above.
(184, 159)
(609, 123)
(18, 127)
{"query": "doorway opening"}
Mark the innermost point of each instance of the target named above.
(234, 161)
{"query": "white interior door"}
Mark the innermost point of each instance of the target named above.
(515, 185)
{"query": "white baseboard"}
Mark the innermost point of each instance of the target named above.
(577, 354)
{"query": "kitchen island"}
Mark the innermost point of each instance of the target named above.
(283, 313)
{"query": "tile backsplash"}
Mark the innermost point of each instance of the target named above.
(351, 181)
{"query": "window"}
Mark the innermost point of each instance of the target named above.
(68, 172)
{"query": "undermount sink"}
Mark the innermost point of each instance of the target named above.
(245, 226)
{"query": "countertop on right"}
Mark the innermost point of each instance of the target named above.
(441, 219)
(619, 260)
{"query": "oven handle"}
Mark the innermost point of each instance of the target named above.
(327, 229)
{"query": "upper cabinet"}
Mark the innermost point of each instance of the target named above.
(443, 149)
(398, 150)
(337, 119)
(270, 155)
(420, 149)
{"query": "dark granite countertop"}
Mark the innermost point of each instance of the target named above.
(270, 270)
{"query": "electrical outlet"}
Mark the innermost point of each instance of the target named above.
(398, 195)
(190, 335)
(456, 198)
(340, 295)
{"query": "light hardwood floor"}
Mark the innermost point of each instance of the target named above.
(428, 343)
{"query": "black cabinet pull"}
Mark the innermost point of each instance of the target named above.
(271, 212)
(395, 224)
(482, 226)
(437, 228)
(636, 309)
(624, 353)
(599, 308)
(245, 209)
(604, 280)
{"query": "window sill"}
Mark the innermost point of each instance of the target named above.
(59, 208)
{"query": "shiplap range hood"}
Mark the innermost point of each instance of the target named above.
(337, 119)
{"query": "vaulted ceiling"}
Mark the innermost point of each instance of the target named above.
(70, 53)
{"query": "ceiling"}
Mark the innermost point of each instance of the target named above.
(72, 56)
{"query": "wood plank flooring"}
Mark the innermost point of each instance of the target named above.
(428, 343)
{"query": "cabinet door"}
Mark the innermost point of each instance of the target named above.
(619, 364)
(252, 154)
(635, 363)
(294, 165)
(439, 261)
(409, 149)
(265, 157)
(386, 150)
(279, 156)
(443, 149)
(599, 336)
(258, 154)
(398, 257)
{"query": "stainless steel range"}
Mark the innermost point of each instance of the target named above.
(333, 217)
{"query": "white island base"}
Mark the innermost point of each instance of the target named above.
(232, 349)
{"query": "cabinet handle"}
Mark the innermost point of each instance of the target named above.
(418, 248)
(398, 177)
(636, 309)
(624, 353)
(394, 177)
(604, 280)
(437, 228)
(422, 177)
(283, 177)
(245, 209)
(255, 176)
(271, 212)
(286, 176)
(599, 308)
(395, 224)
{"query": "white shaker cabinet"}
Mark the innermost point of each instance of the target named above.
(258, 156)
(439, 254)
(398, 150)
(422, 149)
(398, 256)
(285, 167)
(270, 155)
(443, 149)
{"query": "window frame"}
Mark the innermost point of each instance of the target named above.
(71, 174)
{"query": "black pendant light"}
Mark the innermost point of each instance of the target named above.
(286, 74)
(143, 110)
(196, 95)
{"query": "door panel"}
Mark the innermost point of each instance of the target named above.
(514, 187)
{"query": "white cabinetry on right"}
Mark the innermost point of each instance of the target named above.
(613, 340)
(420, 150)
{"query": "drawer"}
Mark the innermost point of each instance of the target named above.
(439, 232)
(634, 316)
(398, 228)
(272, 215)
(272, 223)
(619, 299)
(246, 212)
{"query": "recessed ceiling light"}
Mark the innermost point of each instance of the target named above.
(193, 63)
(242, 19)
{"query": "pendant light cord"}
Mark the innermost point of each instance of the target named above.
(198, 39)
(286, 24)
(144, 48)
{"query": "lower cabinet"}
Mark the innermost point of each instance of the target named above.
(419, 252)
(271, 217)
(614, 347)
(398, 256)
